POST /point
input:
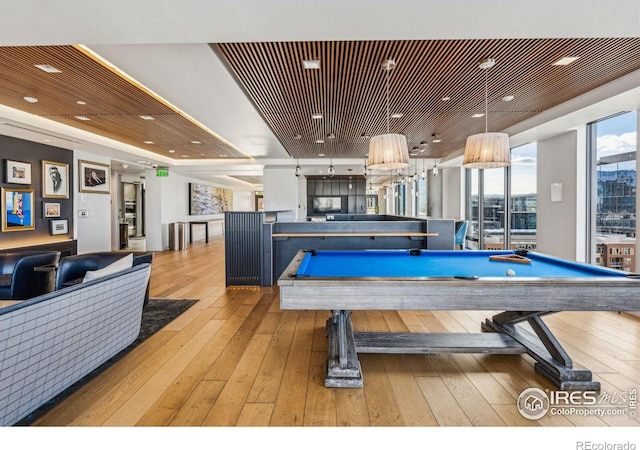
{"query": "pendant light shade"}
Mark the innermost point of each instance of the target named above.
(388, 151)
(487, 150)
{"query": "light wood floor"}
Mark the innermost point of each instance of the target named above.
(236, 359)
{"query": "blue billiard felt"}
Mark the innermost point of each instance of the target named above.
(433, 263)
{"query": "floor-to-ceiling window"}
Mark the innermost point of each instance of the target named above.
(473, 208)
(493, 209)
(523, 196)
(612, 146)
(421, 196)
(490, 227)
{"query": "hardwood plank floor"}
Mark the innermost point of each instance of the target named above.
(236, 359)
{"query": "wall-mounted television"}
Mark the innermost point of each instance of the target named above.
(324, 205)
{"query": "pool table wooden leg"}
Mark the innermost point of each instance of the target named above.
(343, 367)
(552, 360)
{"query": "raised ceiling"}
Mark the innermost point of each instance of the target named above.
(348, 90)
(436, 86)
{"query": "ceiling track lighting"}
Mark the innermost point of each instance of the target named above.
(487, 150)
(388, 151)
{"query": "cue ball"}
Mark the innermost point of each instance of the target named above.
(511, 273)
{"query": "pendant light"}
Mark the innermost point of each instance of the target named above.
(388, 151)
(435, 159)
(298, 168)
(332, 170)
(487, 150)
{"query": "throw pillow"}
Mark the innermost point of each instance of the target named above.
(117, 266)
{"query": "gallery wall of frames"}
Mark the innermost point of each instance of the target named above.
(36, 181)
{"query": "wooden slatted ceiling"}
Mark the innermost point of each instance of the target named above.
(113, 103)
(350, 87)
(349, 90)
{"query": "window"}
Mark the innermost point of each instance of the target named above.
(486, 191)
(612, 146)
(524, 163)
(421, 197)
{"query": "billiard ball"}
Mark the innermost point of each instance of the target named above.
(511, 273)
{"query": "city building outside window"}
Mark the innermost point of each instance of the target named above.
(613, 153)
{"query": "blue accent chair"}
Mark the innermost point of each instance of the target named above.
(461, 234)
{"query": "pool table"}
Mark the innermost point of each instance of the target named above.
(523, 286)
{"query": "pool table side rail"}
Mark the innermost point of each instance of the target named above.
(508, 294)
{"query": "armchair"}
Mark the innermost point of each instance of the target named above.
(18, 278)
(72, 269)
(461, 234)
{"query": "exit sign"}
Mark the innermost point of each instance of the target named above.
(162, 172)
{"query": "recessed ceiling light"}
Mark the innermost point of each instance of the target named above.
(316, 116)
(445, 99)
(396, 115)
(147, 118)
(297, 136)
(82, 118)
(81, 102)
(320, 154)
(435, 141)
(311, 64)
(476, 116)
(172, 151)
(319, 141)
(46, 140)
(47, 68)
(30, 99)
(148, 142)
(185, 156)
(224, 156)
(508, 98)
(201, 154)
(413, 154)
(565, 61)
(331, 136)
(364, 135)
(196, 142)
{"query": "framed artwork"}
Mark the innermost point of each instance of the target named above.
(17, 172)
(59, 226)
(205, 199)
(94, 177)
(55, 179)
(17, 209)
(50, 210)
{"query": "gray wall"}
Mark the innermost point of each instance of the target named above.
(561, 227)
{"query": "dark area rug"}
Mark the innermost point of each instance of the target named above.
(156, 314)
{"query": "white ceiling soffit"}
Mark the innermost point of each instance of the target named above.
(37, 22)
(192, 77)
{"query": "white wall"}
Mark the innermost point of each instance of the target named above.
(92, 232)
(560, 226)
(167, 201)
(302, 198)
(281, 192)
